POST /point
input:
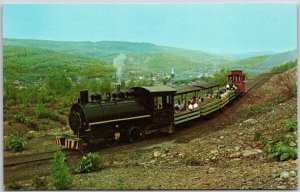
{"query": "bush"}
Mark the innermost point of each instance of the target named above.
(20, 117)
(290, 124)
(41, 112)
(282, 148)
(14, 143)
(60, 173)
(29, 122)
(89, 163)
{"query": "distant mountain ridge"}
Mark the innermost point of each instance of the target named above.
(103, 49)
(147, 57)
(262, 63)
(279, 58)
(254, 54)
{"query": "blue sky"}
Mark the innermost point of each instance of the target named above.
(215, 28)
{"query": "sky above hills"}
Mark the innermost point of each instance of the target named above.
(215, 28)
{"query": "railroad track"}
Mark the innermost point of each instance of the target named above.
(31, 158)
(24, 167)
(261, 81)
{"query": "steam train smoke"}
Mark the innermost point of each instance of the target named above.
(118, 63)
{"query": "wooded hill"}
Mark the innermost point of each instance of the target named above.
(29, 65)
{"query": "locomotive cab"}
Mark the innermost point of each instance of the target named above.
(159, 100)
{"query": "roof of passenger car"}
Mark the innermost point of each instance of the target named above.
(157, 89)
(208, 85)
(186, 89)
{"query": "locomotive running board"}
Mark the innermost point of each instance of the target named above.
(122, 119)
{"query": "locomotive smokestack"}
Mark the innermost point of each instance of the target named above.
(84, 96)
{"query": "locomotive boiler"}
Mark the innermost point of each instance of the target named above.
(96, 120)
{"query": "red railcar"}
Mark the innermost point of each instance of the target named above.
(238, 79)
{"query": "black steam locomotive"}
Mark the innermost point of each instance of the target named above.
(142, 110)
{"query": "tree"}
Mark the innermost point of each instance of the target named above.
(60, 172)
(221, 76)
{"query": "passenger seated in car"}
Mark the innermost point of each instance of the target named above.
(207, 96)
(193, 99)
(227, 86)
(195, 105)
(189, 105)
(183, 106)
(201, 99)
(178, 106)
(224, 94)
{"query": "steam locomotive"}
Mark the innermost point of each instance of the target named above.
(142, 110)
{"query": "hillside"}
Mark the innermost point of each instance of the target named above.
(248, 63)
(254, 54)
(263, 63)
(30, 65)
(278, 59)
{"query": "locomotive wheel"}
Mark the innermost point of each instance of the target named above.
(134, 134)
